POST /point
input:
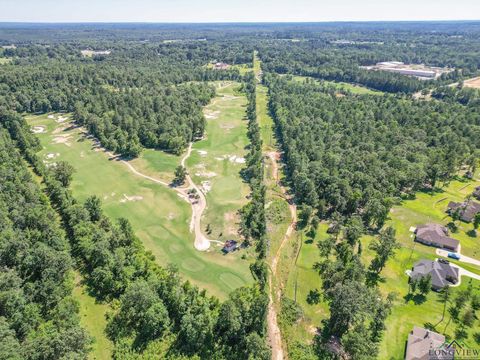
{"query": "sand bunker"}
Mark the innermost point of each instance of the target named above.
(206, 186)
(38, 129)
(52, 155)
(207, 174)
(232, 158)
(62, 139)
(51, 116)
(131, 198)
(202, 153)
(61, 119)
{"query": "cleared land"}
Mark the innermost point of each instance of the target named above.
(342, 87)
(426, 207)
(472, 83)
(159, 216)
(92, 318)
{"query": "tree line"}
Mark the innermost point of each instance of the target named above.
(38, 317)
(158, 313)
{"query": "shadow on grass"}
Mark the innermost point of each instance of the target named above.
(417, 299)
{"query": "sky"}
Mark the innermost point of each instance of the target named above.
(235, 11)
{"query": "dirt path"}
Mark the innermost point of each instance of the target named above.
(201, 243)
(274, 333)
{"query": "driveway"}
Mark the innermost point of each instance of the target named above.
(462, 272)
(463, 258)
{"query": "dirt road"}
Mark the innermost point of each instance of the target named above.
(274, 333)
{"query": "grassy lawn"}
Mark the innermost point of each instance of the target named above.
(92, 318)
(160, 218)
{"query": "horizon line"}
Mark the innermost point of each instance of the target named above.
(236, 22)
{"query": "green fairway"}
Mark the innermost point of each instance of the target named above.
(92, 318)
(216, 162)
(158, 215)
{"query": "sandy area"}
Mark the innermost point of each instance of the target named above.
(39, 129)
(131, 198)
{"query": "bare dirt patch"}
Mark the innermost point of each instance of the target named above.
(131, 198)
(211, 114)
(472, 83)
(62, 139)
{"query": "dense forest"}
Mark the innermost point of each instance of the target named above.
(38, 317)
(349, 155)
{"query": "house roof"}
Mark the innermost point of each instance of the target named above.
(436, 233)
(439, 271)
(421, 341)
(468, 209)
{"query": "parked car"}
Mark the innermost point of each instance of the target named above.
(454, 255)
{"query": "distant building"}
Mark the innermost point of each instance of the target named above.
(221, 66)
(424, 344)
(466, 210)
(442, 273)
(230, 246)
(412, 72)
(436, 235)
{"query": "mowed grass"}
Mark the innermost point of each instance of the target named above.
(92, 318)
(217, 160)
(159, 217)
(265, 121)
(303, 279)
(425, 208)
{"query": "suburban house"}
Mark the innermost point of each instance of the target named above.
(441, 272)
(230, 246)
(466, 210)
(436, 235)
(424, 344)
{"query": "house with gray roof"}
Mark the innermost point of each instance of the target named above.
(424, 344)
(436, 235)
(466, 210)
(441, 272)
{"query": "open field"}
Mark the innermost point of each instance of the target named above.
(92, 318)
(426, 207)
(341, 86)
(158, 215)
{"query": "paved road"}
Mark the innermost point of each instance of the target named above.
(463, 258)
